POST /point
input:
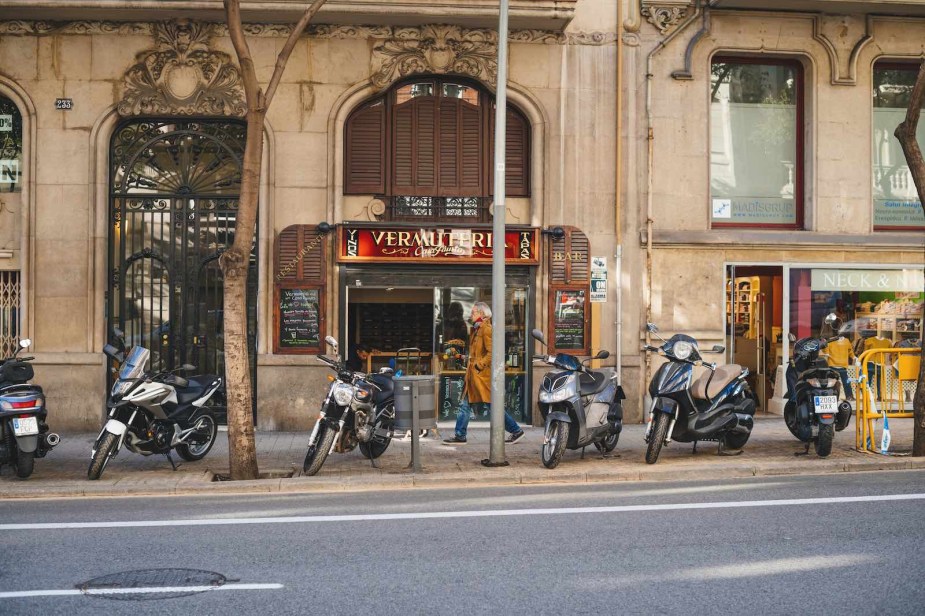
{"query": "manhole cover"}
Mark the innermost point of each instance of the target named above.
(150, 584)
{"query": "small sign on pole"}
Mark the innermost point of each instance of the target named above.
(598, 279)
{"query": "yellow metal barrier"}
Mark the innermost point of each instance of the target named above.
(886, 383)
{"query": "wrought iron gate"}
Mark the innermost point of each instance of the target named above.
(174, 200)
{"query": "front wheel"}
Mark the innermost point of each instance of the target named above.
(25, 462)
(823, 442)
(201, 441)
(105, 448)
(318, 452)
(657, 437)
(554, 443)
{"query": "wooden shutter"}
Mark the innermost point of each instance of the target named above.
(570, 258)
(364, 150)
(414, 130)
(300, 255)
(460, 145)
(517, 157)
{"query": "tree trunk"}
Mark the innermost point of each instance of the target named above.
(905, 132)
(242, 451)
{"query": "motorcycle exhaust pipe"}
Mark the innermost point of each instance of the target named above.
(52, 439)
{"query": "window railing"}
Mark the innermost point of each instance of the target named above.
(9, 312)
(438, 209)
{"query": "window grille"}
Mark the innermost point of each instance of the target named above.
(9, 312)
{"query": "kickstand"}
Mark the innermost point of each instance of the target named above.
(169, 459)
(372, 461)
(805, 452)
(582, 453)
(695, 447)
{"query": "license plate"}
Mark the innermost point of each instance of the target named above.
(826, 404)
(25, 426)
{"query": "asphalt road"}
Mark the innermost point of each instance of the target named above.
(768, 546)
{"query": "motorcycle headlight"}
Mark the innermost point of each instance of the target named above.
(342, 394)
(822, 383)
(682, 349)
(559, 395)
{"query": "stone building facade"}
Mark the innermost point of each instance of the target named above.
(119, 193)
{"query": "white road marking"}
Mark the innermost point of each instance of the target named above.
(134, 591)
(489, 513)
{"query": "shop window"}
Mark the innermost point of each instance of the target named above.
(10, 147)
(9, 312)
(756, 143)
(426, 149)
(896, 202)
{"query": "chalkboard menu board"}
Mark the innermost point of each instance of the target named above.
(298, 319)
(569, 322)
(451, 388)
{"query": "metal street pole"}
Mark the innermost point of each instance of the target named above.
(498, 351)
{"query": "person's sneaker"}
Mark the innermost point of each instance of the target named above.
(515, 438)
(456, 440)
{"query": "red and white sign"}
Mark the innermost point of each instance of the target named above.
(434, 245)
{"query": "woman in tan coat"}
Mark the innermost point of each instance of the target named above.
(477, 384)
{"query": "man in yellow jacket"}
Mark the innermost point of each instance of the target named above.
(477, 384)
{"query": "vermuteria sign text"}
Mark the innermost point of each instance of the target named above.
(434, 245)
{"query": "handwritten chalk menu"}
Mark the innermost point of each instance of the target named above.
(451, 388)
(568, 320)
(298, 320)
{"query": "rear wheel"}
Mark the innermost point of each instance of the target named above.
(375, 448)
(105, 448)
(790, 417)
(201, 441)
(735, 440)
(824, 441)
(318, 452)
(25, 462)
(554, 445)
(657, 437)
(610, 443)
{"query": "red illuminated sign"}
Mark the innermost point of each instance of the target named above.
(433, 245)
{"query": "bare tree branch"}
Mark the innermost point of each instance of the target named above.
(248, 71)
(286, 51)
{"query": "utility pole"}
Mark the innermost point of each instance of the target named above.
(498, 351)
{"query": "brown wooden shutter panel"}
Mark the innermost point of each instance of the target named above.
(449, 148)
(300, 255)
(471, 146)
(517, 155)
(365, 150)
(570, 258)
(414, 142)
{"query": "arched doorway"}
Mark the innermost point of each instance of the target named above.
(174, 190)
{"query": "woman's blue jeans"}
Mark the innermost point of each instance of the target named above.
(464, 413)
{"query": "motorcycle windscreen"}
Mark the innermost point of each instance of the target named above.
(134, 365)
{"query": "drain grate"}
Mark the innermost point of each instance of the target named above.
(151, 584)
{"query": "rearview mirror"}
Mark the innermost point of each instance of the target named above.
(539, 336)
(187, 367)
(718, 348)
(602, 354)
(118, 332)
(25, 343)
(652, 327)
(830, 318)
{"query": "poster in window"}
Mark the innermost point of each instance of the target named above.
(569, 322)
(298, 319)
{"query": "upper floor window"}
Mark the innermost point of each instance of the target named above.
(896, 202)
(426, 147)
(10, 146)
(756, 143)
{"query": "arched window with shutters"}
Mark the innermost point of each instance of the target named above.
(426, 148)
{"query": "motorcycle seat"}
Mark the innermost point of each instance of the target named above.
(722, 377)
(196, 388)
(591, 383)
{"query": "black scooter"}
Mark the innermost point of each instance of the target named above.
(24, 435)
(719, 406)
(813, 413)
(581, 407)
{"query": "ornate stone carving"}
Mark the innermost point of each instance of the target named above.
(75, 27)
(664, 17)
(182, 75)
(844, 37)
(435, 49)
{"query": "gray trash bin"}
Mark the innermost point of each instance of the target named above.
(411, 391)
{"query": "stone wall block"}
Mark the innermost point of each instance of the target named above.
(75, 57)
(285, 113)
(91, 99)
(63, 156)
(61, 323)
(19, 56)
(112, 56)
(303, 206)
(60, 268)
(528, 65)
(301, 160)
(43, 94)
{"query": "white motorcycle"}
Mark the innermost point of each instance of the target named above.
(155, 413)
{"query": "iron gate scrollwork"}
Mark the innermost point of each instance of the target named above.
(175, 187)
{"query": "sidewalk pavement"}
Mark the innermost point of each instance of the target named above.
(770, 451)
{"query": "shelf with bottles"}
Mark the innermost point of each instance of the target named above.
(887, 325)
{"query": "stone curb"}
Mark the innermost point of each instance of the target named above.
(201, 484)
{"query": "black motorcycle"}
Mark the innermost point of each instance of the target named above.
(358, 410)
(24, 435)
(155, 413)
(813, 412)
(719, 406)
(580, 406)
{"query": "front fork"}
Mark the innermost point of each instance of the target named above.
(649, 425)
